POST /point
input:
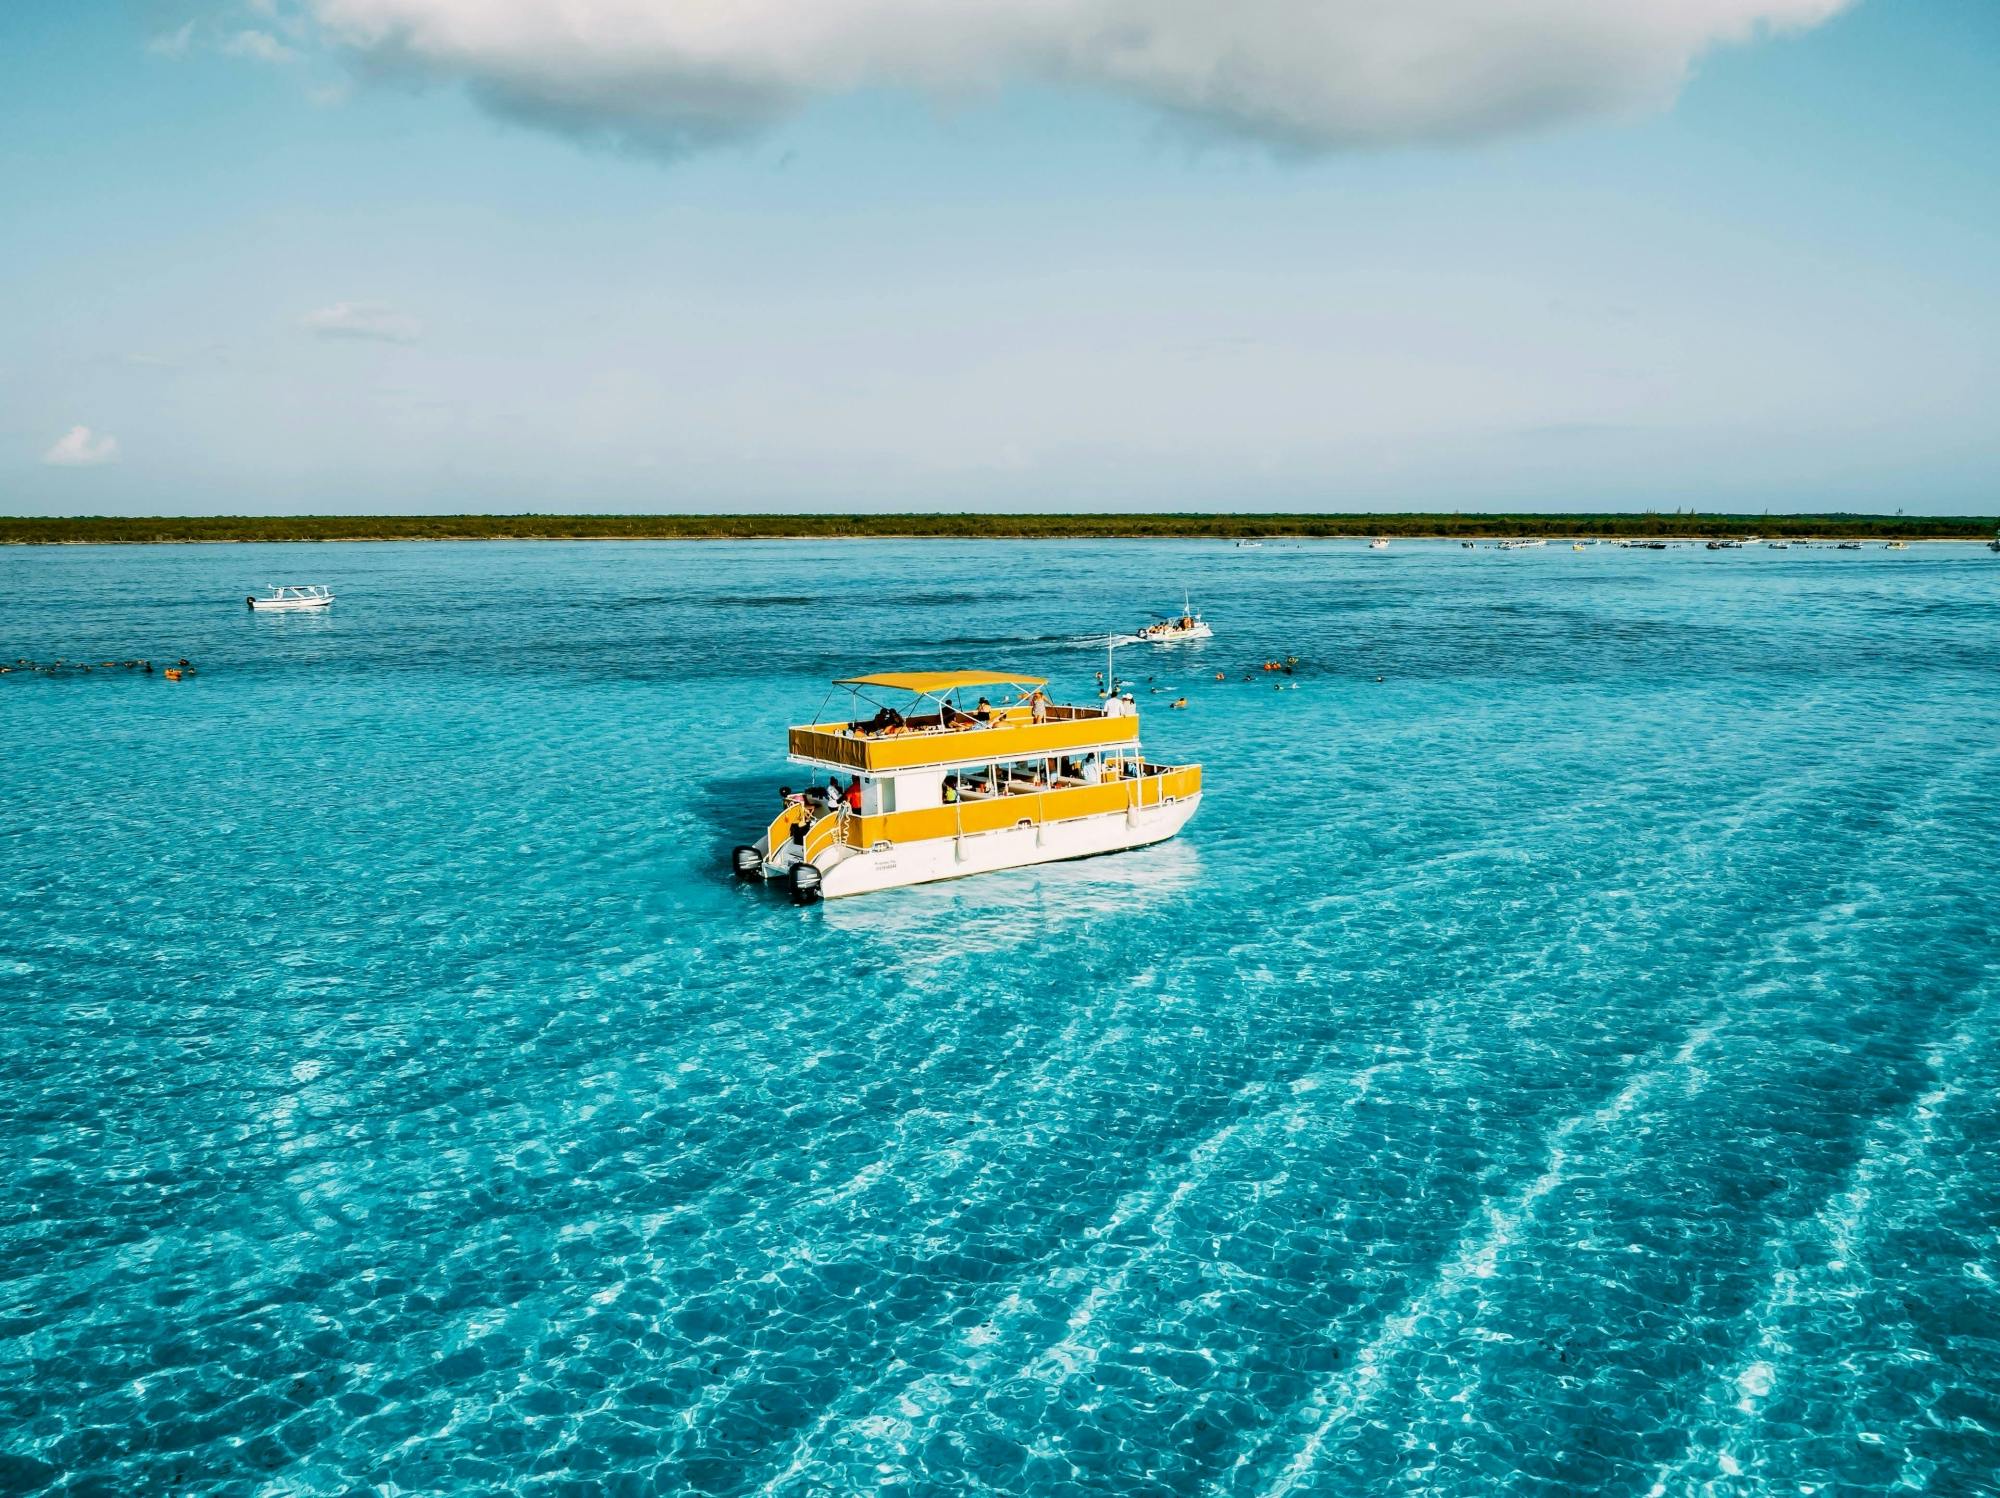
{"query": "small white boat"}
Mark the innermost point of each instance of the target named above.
(1187, 626)
(1380, 543)
(1896, 546)
(293, 597)
(1523, 545)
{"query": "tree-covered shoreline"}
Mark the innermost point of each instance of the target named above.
(126, 530)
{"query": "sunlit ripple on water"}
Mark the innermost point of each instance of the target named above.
(1566, 1064)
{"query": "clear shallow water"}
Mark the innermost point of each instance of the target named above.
(1567, 1064)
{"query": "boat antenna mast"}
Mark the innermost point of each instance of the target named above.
(1111, 643)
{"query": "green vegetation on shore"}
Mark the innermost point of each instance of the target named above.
(109, 529)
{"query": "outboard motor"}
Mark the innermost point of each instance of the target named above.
(748, 862)
(805, 883)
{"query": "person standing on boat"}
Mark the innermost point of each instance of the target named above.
(853, 796)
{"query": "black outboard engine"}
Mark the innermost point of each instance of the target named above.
(805, 883)
(748, 863)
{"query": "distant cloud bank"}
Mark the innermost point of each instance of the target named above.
(368, 320)
(80, 447)
(260, 46)
(1302, 74)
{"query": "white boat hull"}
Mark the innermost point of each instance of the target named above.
(289, 605)
(1176, 637)
(850, 871)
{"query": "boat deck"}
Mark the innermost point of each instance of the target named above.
(923, 742)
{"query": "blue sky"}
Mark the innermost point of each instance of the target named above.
(268, 261)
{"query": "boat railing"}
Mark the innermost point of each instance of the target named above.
(823, 834)
(1011, 738)
(1033, 805)
(1014, 715)
(781, 826)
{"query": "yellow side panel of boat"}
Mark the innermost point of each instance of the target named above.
(782, 824)
(1009, 811)
(823, 834)
(826, 744)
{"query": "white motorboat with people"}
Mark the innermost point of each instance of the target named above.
(1523, 545)
(1380, 543)
(292, 597)
(935, 790)
(1187, 625)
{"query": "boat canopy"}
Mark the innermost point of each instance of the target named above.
(928, 682)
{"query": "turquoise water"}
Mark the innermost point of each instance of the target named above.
(1560, 1057)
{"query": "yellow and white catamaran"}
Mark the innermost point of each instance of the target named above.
(940, 791)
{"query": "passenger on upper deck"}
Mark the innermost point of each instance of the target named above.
(1038, 705)
(884, 720)
(984, 712)
(951, 717)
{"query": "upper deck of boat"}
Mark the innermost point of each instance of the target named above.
(926, 740)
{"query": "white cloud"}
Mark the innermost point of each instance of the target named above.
(172, 43)
(371, 320)
(1306, 74)
(80, 447)
(260, 46)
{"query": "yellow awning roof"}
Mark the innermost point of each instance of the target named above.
(940, 681)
